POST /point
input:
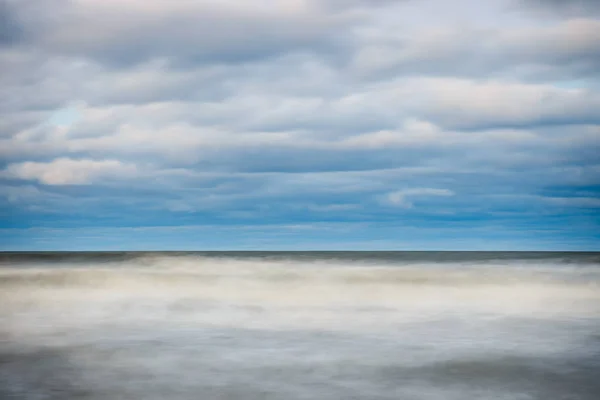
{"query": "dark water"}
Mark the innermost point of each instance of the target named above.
(310, 325)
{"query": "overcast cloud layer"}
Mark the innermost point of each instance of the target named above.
(300, 124)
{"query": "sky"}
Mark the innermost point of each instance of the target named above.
(299, 125)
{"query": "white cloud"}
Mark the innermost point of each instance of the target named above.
(535, 52)
(403, 198)
(413, 132)
(445, 113)
(469, 104)
(66, 171)
(582, 202)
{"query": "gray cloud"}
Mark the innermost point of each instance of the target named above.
(565, 8)
(308, 107)
(126, 32)
(11, 31)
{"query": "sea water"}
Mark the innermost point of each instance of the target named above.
(300, 325)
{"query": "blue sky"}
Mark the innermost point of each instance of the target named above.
(300, 124)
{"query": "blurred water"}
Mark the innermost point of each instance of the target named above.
(300, 326)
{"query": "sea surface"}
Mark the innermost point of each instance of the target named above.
(300, 325)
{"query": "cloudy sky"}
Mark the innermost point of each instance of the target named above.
(300, 124)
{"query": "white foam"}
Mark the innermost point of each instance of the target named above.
(188, 321)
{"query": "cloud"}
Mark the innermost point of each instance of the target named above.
(405, 113)
(10, 28)
(480, 105)
(565, 8)
(585, 202)
(564, 50)
(126, 32)
(208, 111)
(21, 194)
(402, 198)
(65, 171)
(344, 4)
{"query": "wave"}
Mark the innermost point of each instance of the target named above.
(377, 257)
(152, 325)
(86, 269)
(315, 283)
(204, 270)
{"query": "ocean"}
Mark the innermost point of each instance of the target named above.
(300, 325)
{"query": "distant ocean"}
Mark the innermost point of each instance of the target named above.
(300, 325)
